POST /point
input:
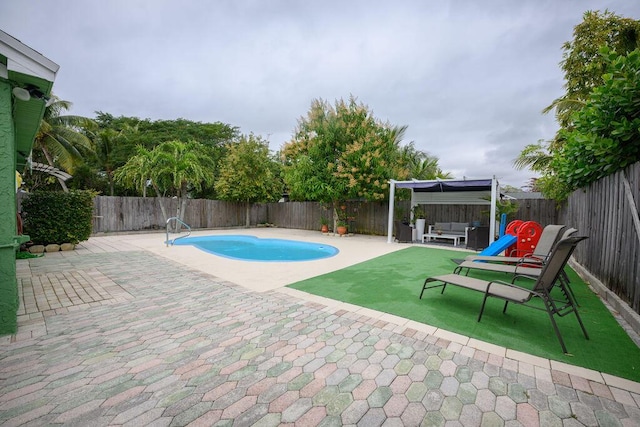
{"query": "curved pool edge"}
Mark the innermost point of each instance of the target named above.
(272, 245)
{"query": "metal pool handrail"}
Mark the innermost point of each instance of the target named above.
(176, 219)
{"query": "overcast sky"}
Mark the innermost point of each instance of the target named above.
(469, 78)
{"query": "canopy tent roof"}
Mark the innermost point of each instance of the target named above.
(441, 186)
(447, 192)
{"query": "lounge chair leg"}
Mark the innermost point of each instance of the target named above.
(424, 286)
(566, 289)
(484, 302)
(584, 331)
(564, 280)
(504, 310)
(555, 326)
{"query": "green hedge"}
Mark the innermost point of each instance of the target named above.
(56, 217)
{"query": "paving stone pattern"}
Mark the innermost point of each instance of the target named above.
(175, 346)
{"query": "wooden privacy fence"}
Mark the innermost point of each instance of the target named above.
(118, 214)
(607, 212)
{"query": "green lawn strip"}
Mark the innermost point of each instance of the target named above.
(391, 283)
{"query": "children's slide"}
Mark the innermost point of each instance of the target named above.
(499, 245)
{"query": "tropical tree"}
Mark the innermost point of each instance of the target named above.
(174, 168)
(341, 152)
(582, 63)
(106, 153)
(61, 138)
(584, 67)
(135, 174)
(536, 157)
(249, 174)
(605, 136)
(148, 133)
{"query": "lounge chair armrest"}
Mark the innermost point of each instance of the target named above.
(511, 285)
(531, 258)
(501, 282)
(522, 276)
(528, 261)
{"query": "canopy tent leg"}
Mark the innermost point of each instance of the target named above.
(392, 201)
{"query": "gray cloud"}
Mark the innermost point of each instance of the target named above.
(468, 78)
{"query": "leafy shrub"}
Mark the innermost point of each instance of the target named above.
(606, 133)
(55, 217)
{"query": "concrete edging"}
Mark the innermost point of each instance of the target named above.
(630, 316)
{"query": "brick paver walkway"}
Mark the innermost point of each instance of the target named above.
(139, 340)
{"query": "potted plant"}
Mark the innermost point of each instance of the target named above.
(324, 222)
(341, 220)
(508, 207)
(419, 216)
(341, 227)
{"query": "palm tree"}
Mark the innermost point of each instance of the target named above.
(60, 137)
(108, 152)
(535, 157)
(174, 168)
(420, 164)
(427, 168)
(564, 107)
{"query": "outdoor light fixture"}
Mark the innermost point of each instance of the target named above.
(30, 91)
(21, 93)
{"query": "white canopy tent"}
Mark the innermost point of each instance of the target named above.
(448, 192)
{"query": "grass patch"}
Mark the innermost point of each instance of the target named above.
(27, 255)
(392, 283)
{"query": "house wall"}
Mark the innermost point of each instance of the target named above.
(8, 231)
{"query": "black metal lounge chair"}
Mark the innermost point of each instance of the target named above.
(509, 292)
(525, 266)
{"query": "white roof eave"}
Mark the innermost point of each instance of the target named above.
(24, 60)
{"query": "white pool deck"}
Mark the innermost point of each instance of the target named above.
(265, 276)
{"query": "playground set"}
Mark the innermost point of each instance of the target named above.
(516, 239)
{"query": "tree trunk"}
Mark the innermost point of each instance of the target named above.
(248, 215)
(182, 206)
(163, 208)
(159, 196)
(336, 206)
(50, 161)
(111, 183)
(182, 202)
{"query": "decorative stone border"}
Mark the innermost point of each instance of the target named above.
(52, 247)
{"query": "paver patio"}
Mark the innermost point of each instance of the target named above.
(137, 339)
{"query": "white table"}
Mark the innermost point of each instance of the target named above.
(431, 236)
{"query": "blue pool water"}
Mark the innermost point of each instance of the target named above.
(251, 248)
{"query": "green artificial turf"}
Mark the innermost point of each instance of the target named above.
(392, 284)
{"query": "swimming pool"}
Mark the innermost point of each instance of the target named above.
(251, 248)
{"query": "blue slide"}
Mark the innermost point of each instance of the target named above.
(499, 245)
